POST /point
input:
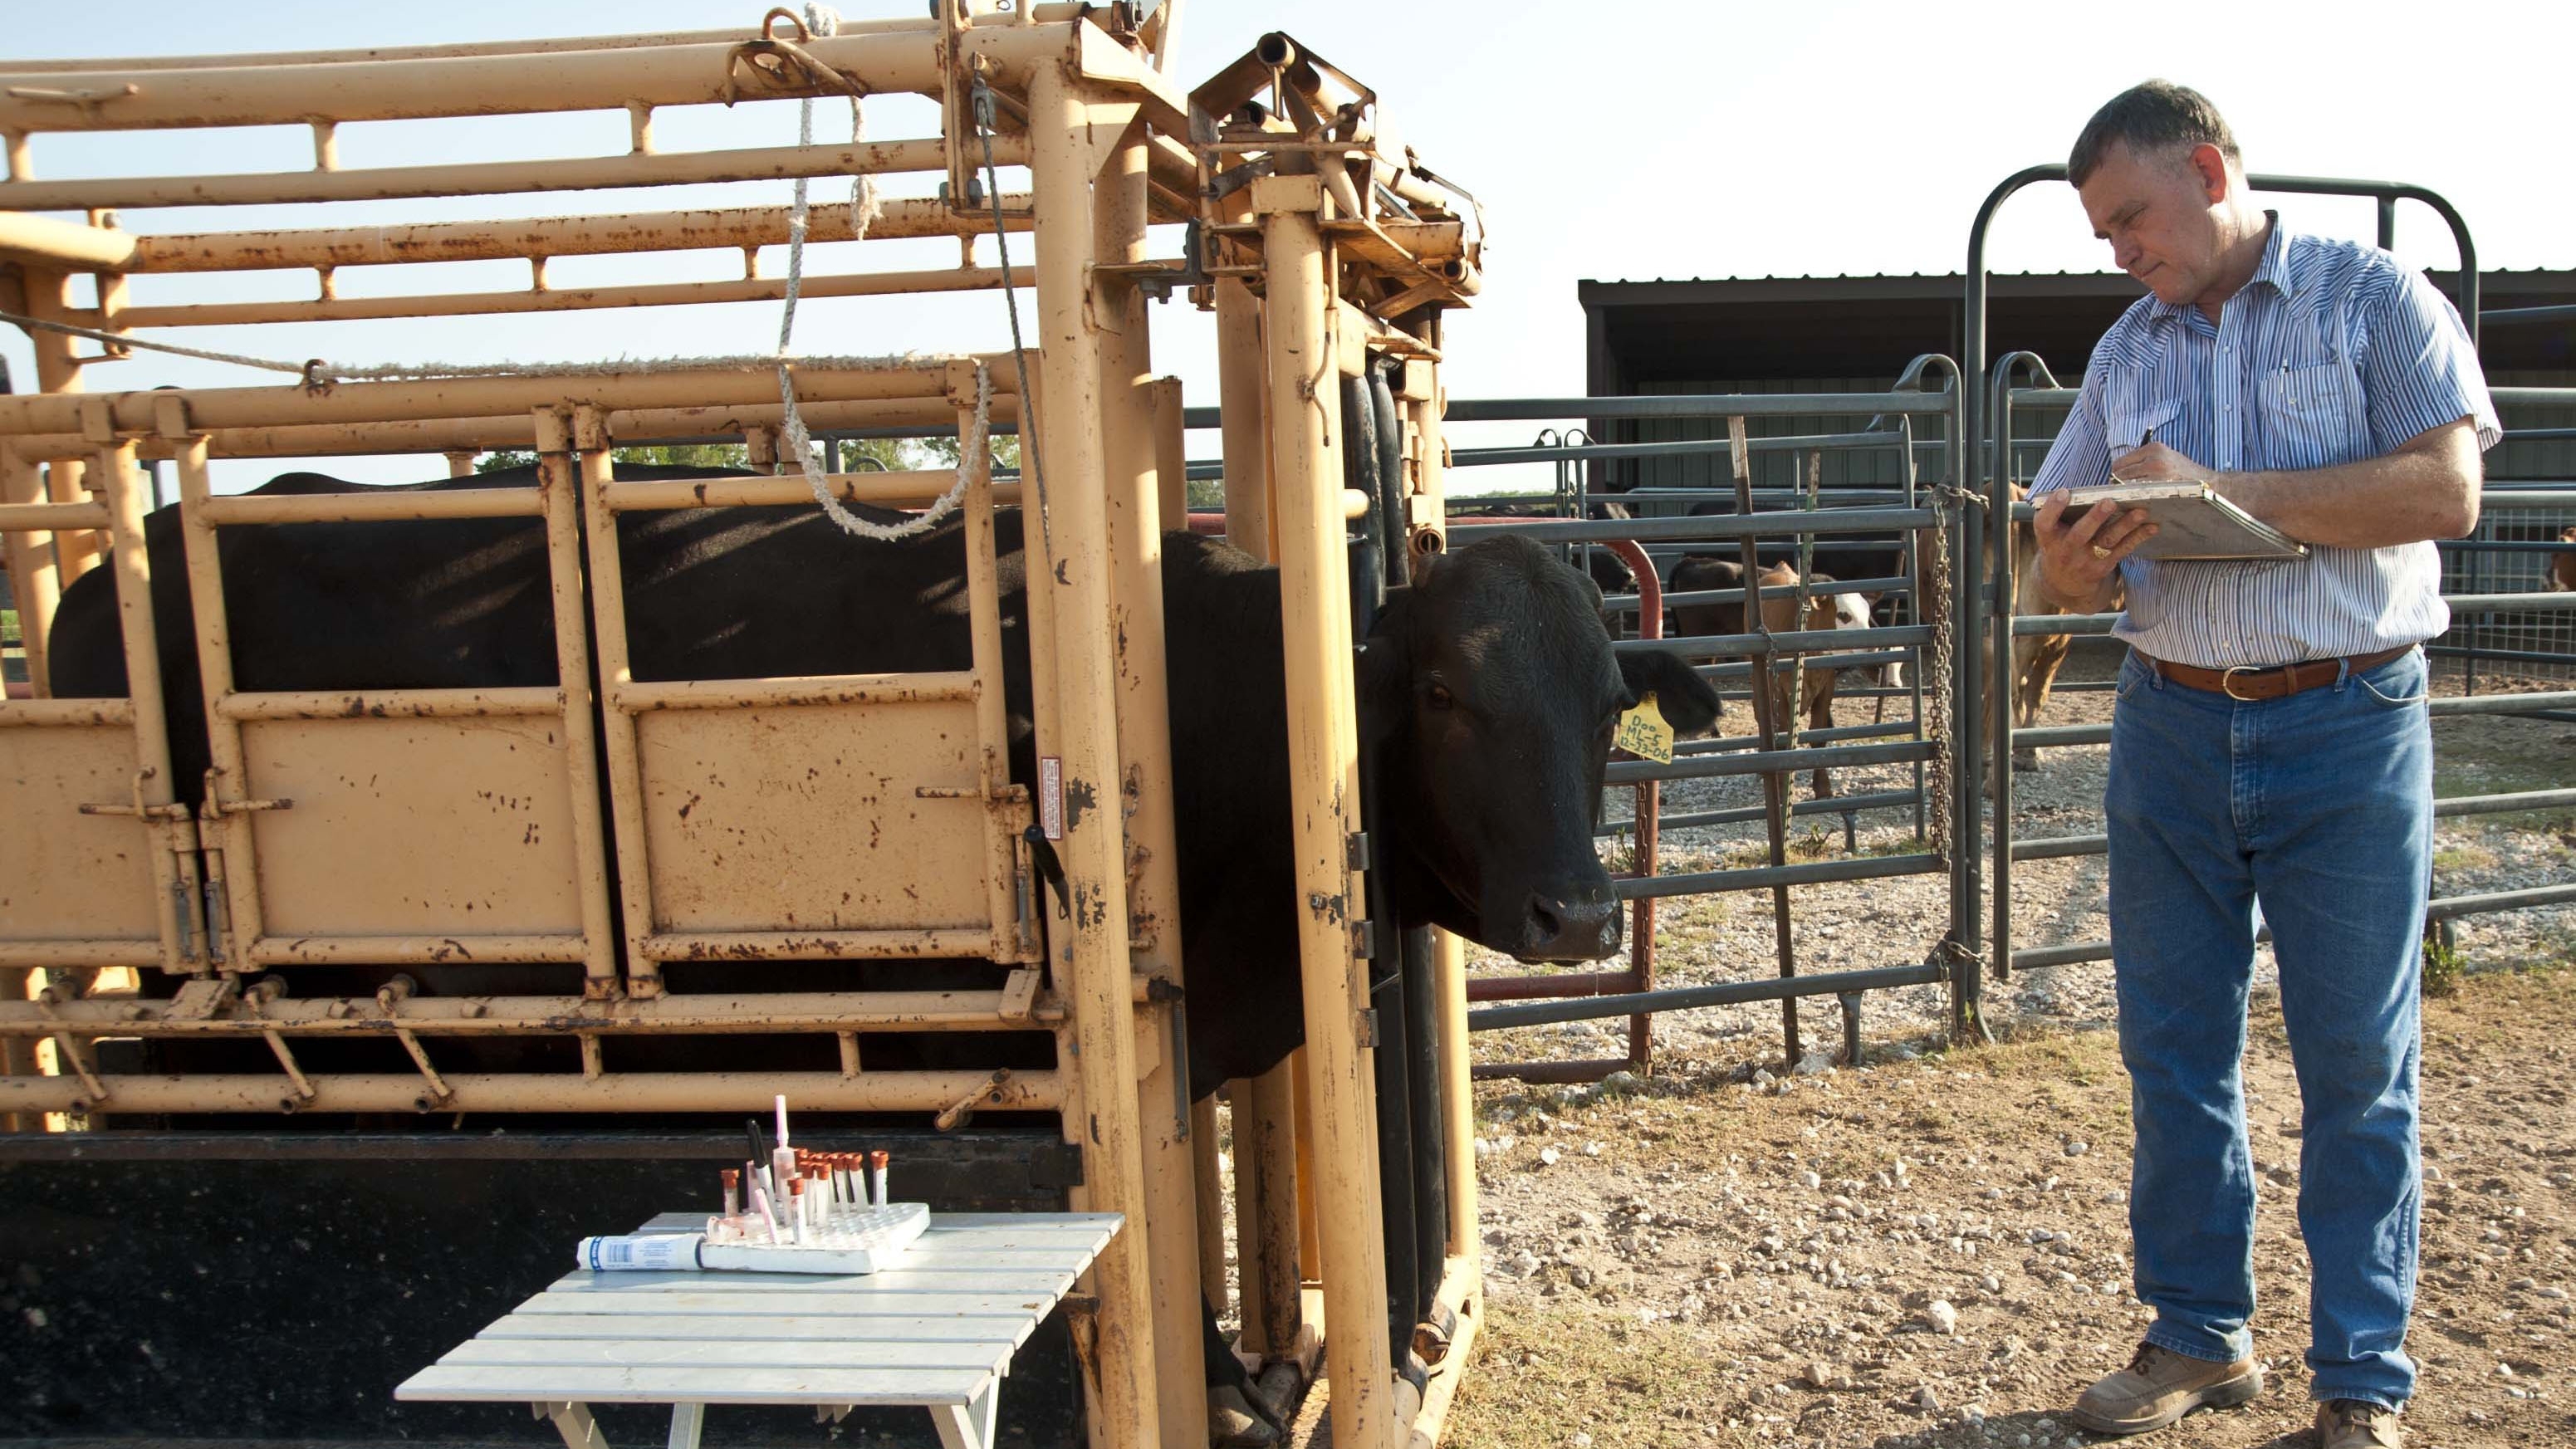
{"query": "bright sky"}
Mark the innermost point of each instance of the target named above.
(1657, 141)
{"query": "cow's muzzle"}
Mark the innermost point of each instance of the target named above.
(1581, 925)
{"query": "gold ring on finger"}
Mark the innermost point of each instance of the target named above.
(2100, 552)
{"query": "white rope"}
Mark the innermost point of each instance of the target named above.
(320, 371)
(971, 448)
(119, 339)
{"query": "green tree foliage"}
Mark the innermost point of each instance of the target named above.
(676, 455)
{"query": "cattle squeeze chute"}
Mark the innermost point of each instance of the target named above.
(592, 880)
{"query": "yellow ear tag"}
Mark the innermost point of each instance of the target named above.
(1643, 733)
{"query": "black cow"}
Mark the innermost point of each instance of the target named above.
(1488, 685)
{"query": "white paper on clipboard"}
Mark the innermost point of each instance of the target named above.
(2191, 522)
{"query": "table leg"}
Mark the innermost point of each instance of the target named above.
(574, 1423)
(970, 1425)
(686, 1421)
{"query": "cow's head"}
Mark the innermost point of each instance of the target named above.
(1491, 692)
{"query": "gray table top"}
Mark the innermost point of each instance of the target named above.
(935, 1330)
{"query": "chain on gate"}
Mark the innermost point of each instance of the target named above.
(1933, 599)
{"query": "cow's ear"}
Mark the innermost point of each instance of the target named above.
(1685, 700)
(1383, 676)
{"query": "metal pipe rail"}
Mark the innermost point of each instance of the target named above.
(486, 1016)
(2059, 846)
(1813, 872)
(1786, 641)
(2448, 908)
(1834, 735)
(1630, 772)
(2047, 737)
(1712, 528)
(1628, 602)
(735, 1092)
(1678, 448)
(1698, 405)
(1826, 805)
(1684, 998)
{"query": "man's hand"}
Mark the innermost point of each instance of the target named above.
(2078, 561)
(2153, 462)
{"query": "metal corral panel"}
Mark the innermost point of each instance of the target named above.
(808, 817)
(65, 875)
(435, 827)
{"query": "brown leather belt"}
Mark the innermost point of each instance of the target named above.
(2277, 682)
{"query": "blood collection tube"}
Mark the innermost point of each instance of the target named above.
(732, 1191)
(877, 1178)
(783, 1159)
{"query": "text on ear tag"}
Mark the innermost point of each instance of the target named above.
(1643, 733)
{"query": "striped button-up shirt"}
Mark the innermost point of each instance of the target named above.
(2333, 353)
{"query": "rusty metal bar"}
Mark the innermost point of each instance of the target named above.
(34, 517)
(380, 506)
(35, 578)
(79, 954)
(65, 713)
(897, 489)
(629, 697)
(1073, 134)
(172, 833)
(1324, 774)
(818, 945)
(467, 397)
(489, 178)
(535, 238)
(561, 299)
(409, 950)
(444, 435)
(392, 704)
(463, 1016)
(1031, 1091)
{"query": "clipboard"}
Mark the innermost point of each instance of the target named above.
(2191, 522)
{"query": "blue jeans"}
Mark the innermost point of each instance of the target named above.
(2321, 805)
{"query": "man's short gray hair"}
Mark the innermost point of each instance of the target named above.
(2150, 116)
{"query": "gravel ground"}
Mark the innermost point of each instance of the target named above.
(1933, 1252)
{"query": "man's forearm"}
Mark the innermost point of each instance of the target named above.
(2426, 490)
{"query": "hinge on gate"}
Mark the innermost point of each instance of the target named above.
(203, 998)
(1364, 1029)
(1355, 850)
(1363, 940)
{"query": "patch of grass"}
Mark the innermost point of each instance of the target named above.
(2464, 857)
(2442, 967)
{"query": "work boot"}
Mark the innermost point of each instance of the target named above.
(2160, 1386)
(2357, 1424)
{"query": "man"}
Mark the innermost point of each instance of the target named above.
(2270, 742)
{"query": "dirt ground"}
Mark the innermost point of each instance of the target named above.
(1692, 1259)
(1931, 1249)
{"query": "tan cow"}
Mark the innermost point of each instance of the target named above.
(1779, 615)
(2562, 566)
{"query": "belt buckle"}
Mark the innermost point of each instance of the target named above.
(2227, 683)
